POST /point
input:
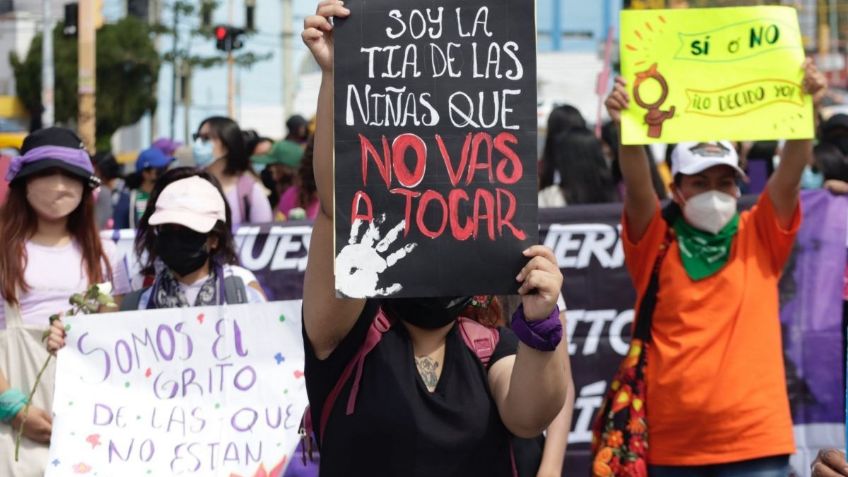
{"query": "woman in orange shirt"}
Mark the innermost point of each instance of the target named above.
(716, 393)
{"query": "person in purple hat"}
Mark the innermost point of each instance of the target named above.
(149, 166)
(51, 250)
(167, 145)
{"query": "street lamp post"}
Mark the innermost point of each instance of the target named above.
(47, 75)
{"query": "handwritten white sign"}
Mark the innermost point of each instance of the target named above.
(213, 391)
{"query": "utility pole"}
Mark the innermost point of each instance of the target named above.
(175, 25)
(153, 16)
(834, 25)
(87, 74)
(185, 89)
(47, 114)
(823, 40)
(231, 85)
(227, 39)
(287, 63)
(556, 26)
(231, 80)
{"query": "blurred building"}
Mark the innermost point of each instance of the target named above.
(574, 25)
(20, 21)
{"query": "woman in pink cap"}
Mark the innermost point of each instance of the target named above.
(188, 252)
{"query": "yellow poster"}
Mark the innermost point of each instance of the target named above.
(713, 74)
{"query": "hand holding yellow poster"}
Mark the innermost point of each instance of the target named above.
(714, 73)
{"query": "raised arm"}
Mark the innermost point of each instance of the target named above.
(640, 201)
(327, 319)
(529, 388)
(556, 437)
(784, 185)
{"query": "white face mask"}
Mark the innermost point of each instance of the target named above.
(710, 211)
(55, 196)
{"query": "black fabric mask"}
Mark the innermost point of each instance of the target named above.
(182, 250)
(427, 313)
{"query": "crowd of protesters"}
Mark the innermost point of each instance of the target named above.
(55, 206)
(717, 304)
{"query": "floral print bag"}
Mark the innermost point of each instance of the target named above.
(620, 431)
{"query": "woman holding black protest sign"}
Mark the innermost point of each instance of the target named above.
(426, 404)
(716, 391)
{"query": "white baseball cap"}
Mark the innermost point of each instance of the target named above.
(192, 202)
(689, 158)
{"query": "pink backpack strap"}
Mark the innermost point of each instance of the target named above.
(480, 338)
(483, 340)
(380, 325)
(244, 188)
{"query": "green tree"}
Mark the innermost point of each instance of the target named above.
(127, 71)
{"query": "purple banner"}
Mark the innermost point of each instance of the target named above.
(811, 295)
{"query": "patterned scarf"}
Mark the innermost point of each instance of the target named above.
(167, 293)
(703, 254)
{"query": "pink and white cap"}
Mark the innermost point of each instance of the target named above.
(192, 202)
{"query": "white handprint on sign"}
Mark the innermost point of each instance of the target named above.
(360, 263)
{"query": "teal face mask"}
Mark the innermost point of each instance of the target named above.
(811, 179)
(202, 152)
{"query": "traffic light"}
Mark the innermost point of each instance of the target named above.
(228, 38)
(71, 24)
(236, 34)
(250, 15)
(221, 38)
(71, 17)
(139, 9)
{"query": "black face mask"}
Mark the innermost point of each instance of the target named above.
(182, 250)
(427, 313)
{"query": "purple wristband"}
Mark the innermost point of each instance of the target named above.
(543, 335)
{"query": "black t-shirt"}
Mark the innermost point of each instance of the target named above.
(398, 427)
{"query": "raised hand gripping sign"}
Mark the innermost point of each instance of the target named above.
(715, 73)
(435, 154)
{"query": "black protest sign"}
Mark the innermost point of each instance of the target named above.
(435, 146)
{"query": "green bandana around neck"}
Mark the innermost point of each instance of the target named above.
(703, 254)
